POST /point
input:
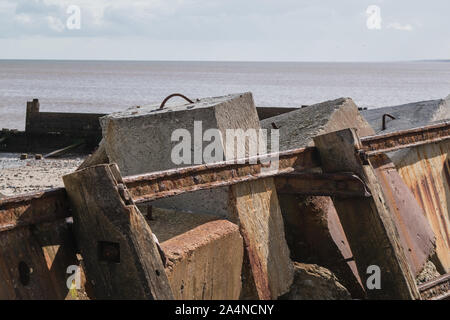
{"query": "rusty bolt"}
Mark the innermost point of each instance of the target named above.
(123, 192)
(363, 156)
(109, 251)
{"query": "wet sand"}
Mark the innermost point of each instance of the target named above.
(24, 176)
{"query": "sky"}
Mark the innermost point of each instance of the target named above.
(225, 30)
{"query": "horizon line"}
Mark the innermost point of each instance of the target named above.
(236, 61)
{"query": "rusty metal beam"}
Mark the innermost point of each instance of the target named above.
(152, 186)
(321, 184)
(437, 289)
(383, 143)
(33, 208)
(51, 205)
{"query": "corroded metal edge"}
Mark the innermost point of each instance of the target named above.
(321, 184)
(173, 182)
(437, 289)
(415, 137)
(49, 205)
(33, 208)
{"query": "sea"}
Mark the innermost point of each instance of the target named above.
(108, 86)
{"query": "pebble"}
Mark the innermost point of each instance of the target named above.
(18, 176)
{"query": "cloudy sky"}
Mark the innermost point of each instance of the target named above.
(245, 30)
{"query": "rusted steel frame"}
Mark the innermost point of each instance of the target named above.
(169, 183)
(33, 208)
(437, 289)
(51, 205)
(321, 184)
(383, 143)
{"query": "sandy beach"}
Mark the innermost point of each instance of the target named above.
(24, 176)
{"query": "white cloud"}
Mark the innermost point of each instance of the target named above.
(226, 29)
(399, 26)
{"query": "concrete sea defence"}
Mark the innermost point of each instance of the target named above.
(291, 208)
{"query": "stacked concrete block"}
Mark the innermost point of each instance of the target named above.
(313, 220)
(140, 140)
(205, 263)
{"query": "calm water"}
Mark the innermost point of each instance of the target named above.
(100, 86)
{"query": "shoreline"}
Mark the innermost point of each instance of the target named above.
(24, 176)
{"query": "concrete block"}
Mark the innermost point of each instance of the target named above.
(313, 229)
(297, 128)
(410, 115)
(205, 263)
(139, 141)
(254, 206)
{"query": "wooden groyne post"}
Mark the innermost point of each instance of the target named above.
(121, 257)
(32, 114)
(368, 222)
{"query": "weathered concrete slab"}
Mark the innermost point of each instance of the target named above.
(254, 207)
(139, 141)
(407, 116)
(303, 215)
(298, 128)
(205, 263)
(167, 224)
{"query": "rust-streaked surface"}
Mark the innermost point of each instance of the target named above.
(42, 206)
(437, 289)
(34, 262)
(416, 236)
(321, 184)
(426, 171)
(168, 183)
(33, 208)
(34, 236)
(205, 263)
(383, 143)
(314, 234)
